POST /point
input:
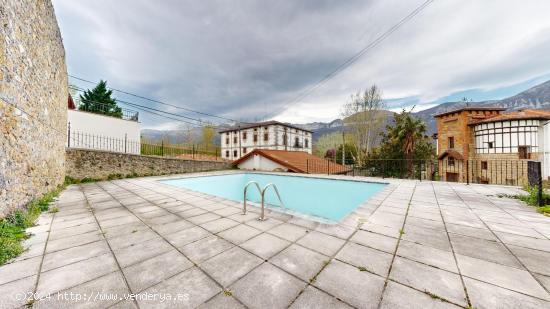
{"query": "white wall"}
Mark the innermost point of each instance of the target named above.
(95, 131)
(544, 141)
(260, 163)
(275, 140)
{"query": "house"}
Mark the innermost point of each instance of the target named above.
(240, 140)
(454, 138)
(101, 131)
(486, 144)
(288, 161)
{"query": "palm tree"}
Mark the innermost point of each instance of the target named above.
(407, 131)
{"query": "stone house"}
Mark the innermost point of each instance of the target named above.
(486, 145)
(238, 141)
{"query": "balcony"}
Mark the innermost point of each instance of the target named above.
(106, 110)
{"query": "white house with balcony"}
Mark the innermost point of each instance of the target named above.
(236, 142)
(102, 129)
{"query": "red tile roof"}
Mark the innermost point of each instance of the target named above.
(298, 161)
(522, 114)
(471, 108)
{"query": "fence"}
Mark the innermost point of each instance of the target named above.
(501, 172)
(98, 142)
(107, 110)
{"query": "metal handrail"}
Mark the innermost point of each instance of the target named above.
(262, 214)
(244, 196)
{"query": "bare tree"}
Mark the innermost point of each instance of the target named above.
(364, 117)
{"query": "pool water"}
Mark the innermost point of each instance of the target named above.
(330, 199)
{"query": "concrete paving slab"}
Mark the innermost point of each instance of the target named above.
(483, 295)
(289, 232)
(301, 262)
(267, 287)
(427, 255)
(16, 294)
(223, 300)
(74, 254)
(74, 274)
(72, 241)
(200, 219)
(184, 237)
(400, 296)
(372, 260)
(230, 265)
(205, 248)
(239, 233)
(20, 269)
(265, 245)
(133, 238)
(219, 225)
(507, 277)
(322, 243)
(313, 298)
(130, 255)
(188, 289)
(492, 251)
(357, 288)
(376, 241)
(438, 282)
(535, 260)
(154, 270)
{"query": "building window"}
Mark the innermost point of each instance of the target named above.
(522, 152)
(244, 135)
(266, 137)
(451, 142)
(306, 142)
(234, 153)
(234, 140)
(227, 140)
(296, 142)
(451, 161)
(244, 150)
(490, 145)
(255, 138)
(227, 153)
(483, 165)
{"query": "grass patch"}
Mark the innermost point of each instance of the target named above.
(545, 210)
(361, 268)
(13, 226)
(401, 231)
(227, 292)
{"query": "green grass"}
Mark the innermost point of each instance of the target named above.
(545, 210)
(13, 226)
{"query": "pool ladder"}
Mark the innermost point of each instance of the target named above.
(262, 194)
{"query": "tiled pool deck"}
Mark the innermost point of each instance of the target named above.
(414, 245)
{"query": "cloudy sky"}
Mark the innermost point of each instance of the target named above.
(250, 60)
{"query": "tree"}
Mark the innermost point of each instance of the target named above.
(406, 140)
(326, 142)
(364, 116)
(350, 154)
(208, 137)
(99, 101)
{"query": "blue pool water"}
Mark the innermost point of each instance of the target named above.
(326, 198)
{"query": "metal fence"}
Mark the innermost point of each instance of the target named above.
(84, 140)
(107, 110)
(501, 172)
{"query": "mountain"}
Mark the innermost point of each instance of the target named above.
(537, 97)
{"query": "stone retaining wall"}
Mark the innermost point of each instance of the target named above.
(33, 102)
(82, 163)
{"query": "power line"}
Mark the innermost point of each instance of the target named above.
(346, 64)
(160, 102)
(148, 109)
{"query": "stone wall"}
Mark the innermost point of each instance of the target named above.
(97, 164)
(33, 102)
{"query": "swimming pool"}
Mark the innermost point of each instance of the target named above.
(329, 199)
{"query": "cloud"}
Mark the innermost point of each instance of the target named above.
(247, 60)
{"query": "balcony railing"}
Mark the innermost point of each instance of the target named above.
(107, 110)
